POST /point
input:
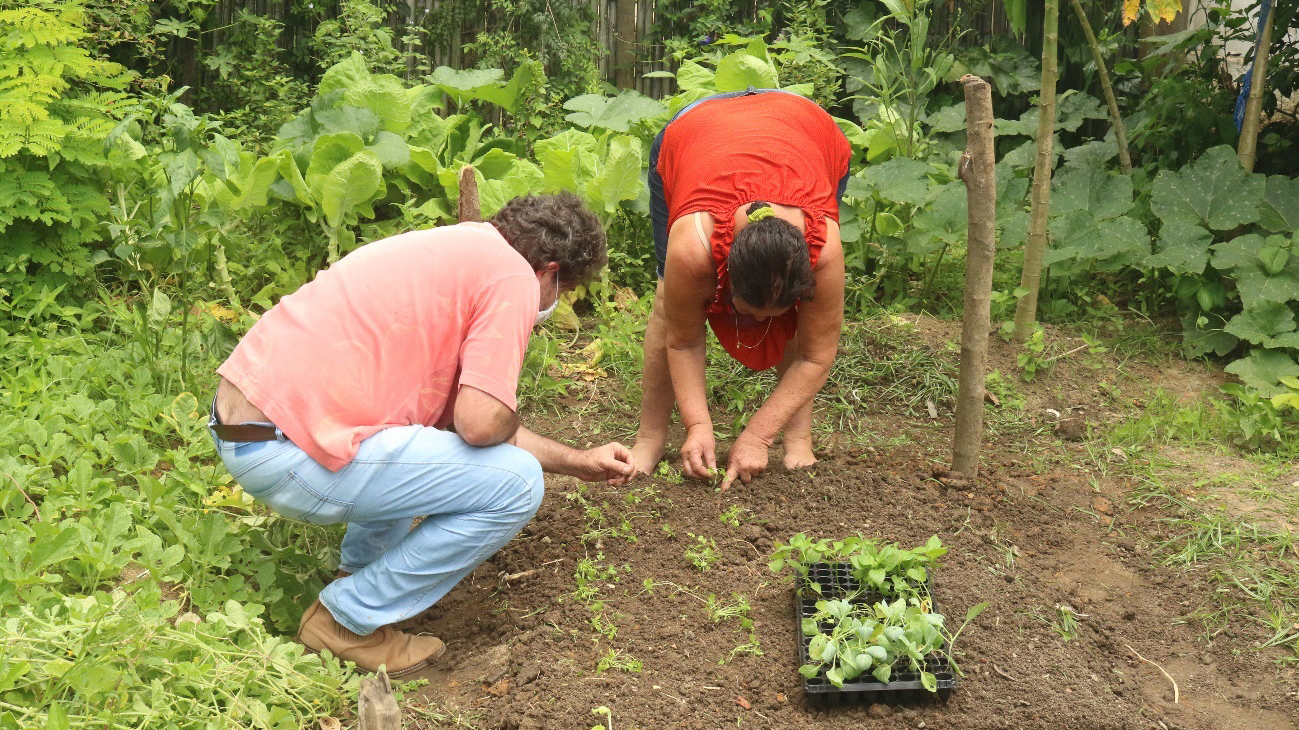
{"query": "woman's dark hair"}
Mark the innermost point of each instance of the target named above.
(554, 227)
(769, 263)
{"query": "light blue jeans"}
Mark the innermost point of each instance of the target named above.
(473, 500)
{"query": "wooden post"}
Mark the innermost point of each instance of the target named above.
(977, 170)
(1248, 144)
(377, 708)
(469, 209)
(1030, 279)
(624, 59)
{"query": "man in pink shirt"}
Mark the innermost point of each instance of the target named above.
(384, 390)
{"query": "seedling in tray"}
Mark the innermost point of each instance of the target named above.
(867, 620)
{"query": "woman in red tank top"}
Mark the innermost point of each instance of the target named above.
(744, 198)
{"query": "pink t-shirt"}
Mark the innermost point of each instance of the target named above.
(386, 337)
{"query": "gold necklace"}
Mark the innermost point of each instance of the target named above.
(760, 339)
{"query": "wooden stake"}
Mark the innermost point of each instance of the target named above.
(470, 210)
(376, 707)
(1249, 126)
(978, 171)
(1030, 279)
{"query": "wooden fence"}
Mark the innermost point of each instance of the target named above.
(983, 19)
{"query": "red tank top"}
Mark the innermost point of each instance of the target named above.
(775, 147)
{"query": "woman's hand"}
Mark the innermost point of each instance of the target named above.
(699, 452)
(748, 459)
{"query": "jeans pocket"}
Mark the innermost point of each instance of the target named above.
(293, 498)
(242, 457)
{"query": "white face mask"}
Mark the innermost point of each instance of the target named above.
(544, 314)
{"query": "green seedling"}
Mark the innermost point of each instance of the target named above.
(872, 638)
(1066, 623)
(603, 625)
(619, 660)
(719, 611)
(703, 553)
(731, 516)
(608, 716)
(887, 568)
(666, 471)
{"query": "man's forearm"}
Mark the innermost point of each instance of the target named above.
(555, 458)
(796, 388)
(686, 366)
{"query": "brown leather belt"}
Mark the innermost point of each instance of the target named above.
(241, 432)
(245, 432)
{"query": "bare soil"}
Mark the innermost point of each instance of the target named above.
(1036, 530)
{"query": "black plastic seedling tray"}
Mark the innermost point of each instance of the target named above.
(836, 581)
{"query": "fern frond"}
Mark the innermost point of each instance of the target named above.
(31, 26)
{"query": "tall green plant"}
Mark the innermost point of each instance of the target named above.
(894, 71)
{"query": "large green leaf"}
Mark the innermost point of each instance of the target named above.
(1091, 155)
(524, 178)
(1279, 211)
(430, 130)
(1200, 339)
(944, 221)
(364, 123)
(350, 72)
(507, 96)
(1263, 370)
(1258, 286)
(288, 168)
(1214, 191)
(1072, 109)
(350, 187)
(749, 67)
(1093, 190)
(901, 180)
(1266, 324)
(692, 76)
(457, 81)
(253, 188)
(948, 119)
(567, 160)
(1183, 248)
(385, 96)
(496, 164)
(1240, 251)
(328, 152)
(1105, 245)
(617, 113)
(619, 177)
(390, 149)
(1259, 280)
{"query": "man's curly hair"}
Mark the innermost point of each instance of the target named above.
(554, 227)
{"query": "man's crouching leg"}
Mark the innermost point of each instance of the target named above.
(475, 499)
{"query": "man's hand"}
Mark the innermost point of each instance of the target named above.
(748, 459)
(699, 452)
(612, 462)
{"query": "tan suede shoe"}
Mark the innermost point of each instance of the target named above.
(402, 653)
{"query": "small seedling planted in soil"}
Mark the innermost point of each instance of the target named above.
(703, 553)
